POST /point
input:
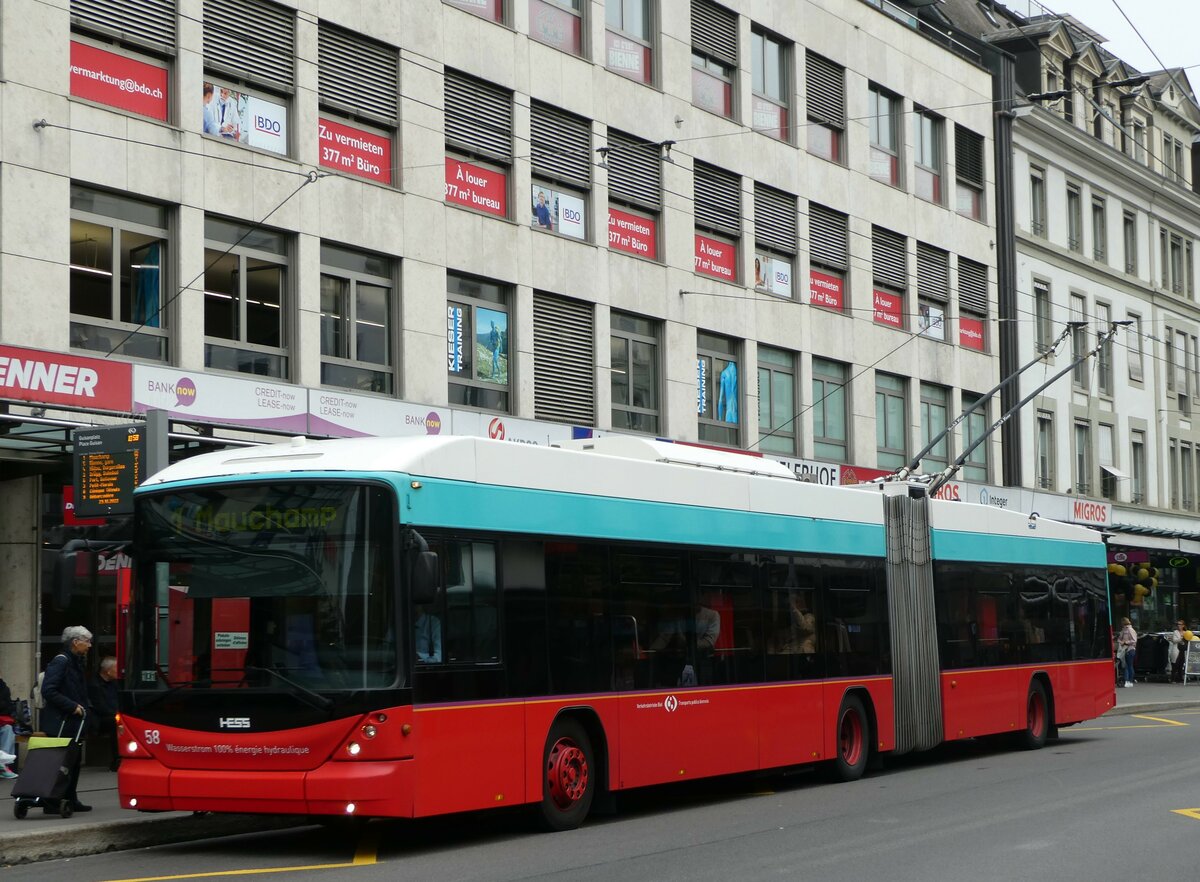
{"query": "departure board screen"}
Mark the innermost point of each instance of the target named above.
(109, 464)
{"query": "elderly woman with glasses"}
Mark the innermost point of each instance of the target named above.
(64, 691)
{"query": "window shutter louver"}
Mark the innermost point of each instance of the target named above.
(968, 156)
(149, 23)
(933, 273)
(478, 117)
(561, 146)
(358, 76)
(972, 287)
(563, 359)
(718, 200)
(888, 259)
(826, 89)
(714, 31)
(252, 41)
(775, 219)
(828, 236)
(634, 171)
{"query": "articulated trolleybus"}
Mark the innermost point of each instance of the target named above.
(408, 627)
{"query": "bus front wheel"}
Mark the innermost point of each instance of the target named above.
(1037, 718)
(569, 776)
(852, 744)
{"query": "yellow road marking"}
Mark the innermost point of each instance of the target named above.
(363, 856)
(1191, 813)
(1159, 723)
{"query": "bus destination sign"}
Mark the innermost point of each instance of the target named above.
(109, 464)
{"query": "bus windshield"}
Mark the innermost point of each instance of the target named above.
(275, 586)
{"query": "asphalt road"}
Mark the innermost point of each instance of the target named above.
(1101, 803)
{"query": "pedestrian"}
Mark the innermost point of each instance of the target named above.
(102, 697)
(1127, 648)
(1178, 650)
(65, 692)
(8, 734)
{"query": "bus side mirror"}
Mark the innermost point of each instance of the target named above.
(424, 582)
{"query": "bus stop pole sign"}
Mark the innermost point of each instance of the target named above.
(109, 464)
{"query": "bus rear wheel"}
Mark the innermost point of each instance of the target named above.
(852, 746)
(1037, 718)
(569, 776)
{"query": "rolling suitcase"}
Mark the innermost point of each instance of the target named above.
(46, 775)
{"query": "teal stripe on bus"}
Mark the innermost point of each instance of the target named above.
(454, 504)
(992, 548)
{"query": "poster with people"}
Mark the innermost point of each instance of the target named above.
(557, 211)
(491, 345)
(244, 119)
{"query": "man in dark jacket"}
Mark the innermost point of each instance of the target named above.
(64, 690)
(102, 696)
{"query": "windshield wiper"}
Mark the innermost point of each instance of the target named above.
(316, 699)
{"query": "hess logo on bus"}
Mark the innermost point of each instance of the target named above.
(234, 722)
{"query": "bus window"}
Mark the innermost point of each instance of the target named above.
(579, 635)
(855, 633)
(470, 621)
(725, 588)
(653, 644)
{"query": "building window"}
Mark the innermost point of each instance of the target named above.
(245, 303)
(1037, 202)
(1133, 347)
(1099, 230)
(634, 354)
(558, 23)
(933, 290)
(1043, 326)
(718, 392)
(146, 24)
(1083, 457)
(972, 304)
(1173, 472)
(714, 57)
(825, 86)
(1129, 227)
(358, 79)
(629, 39)
(927, 134)
(934, 409)
(975, 427)
(830, 407)
(1074, 219)
(891, 421)
(479, 141)
(1045, 450)
(1174, 368)
(1139, 142)
(564, 358)
(1187, 477)
(770, 90)
(634, 195)
(478, 342)
(561, 148)
(717, 197)
(884, 110)
(969, 169)
(356, 320)
(268, 62)
(889, 267)
(1104, 366)
(774, 240)
(776, 401)
(492, 10)
(829, 257)
(1190, 270)
(1137, 466)
(1109, 473)
(119, 271)
(1079, 374)
(1182, 374)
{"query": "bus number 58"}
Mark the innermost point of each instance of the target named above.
(153, 736)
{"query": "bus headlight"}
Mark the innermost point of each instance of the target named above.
(354, 748)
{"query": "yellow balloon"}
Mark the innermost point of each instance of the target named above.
(1188, 635)
(1117, 569)
(1140, 591)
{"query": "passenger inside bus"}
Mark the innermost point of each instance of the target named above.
(427, 630)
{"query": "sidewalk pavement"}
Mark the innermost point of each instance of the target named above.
(108, 827)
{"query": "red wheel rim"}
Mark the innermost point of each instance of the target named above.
(1037, 714)
(566, 773)
(850, 737)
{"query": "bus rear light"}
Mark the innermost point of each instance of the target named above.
(354, 748)
(133, 802)
(351, 808)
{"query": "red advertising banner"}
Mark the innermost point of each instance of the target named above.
(355, 151)
(826, 290)
(69, 519)
(118, 81)
(626, 57)
(554, 26)
(52, 378)
(474, 187)
(970, 333)
(632, 233)
(768, 118)
(716, 258)
(889, 309)
(861, 474)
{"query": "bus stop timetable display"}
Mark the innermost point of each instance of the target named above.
(108, 466)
